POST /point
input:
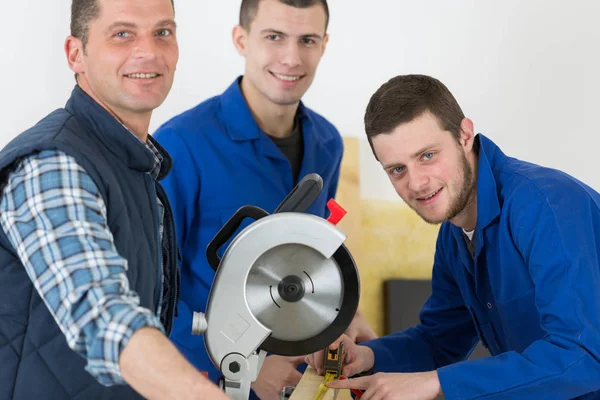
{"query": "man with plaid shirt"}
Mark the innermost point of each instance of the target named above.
(88, 259)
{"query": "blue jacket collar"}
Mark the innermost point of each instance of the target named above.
(240, 122)
(116, 137)
(491, 160)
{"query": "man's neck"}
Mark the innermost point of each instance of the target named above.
(274, 119)
(138, 124)
(467, 218)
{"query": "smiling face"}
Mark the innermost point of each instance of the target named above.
(129, 60)
(283, 47)
(430, 170)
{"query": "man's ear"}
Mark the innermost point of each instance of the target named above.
(74, 53)
(239, 36)
(467, 134)
(324, 43)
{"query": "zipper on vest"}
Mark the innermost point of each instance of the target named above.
(169, 233)
(158, 297)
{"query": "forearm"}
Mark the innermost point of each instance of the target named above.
(152, 366)
(406, 351)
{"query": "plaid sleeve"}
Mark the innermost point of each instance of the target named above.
(55, 218)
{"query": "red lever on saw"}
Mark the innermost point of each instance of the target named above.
(337, 212)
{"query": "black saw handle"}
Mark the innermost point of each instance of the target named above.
(299, 199)
(228, 230)
(302, 195)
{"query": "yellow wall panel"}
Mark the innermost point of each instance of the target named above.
(395, 243)
(348, 194)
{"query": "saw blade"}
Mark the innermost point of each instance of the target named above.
(297, 323)
(294, 291)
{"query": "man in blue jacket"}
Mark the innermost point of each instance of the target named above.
(88, 265)
(517, 262)
(251, 145)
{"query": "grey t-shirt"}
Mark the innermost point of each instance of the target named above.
(293, 148)
(470, 241)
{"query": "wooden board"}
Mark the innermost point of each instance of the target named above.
(307, 388)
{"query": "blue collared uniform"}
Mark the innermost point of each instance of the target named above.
(222, 160)
(531, 295)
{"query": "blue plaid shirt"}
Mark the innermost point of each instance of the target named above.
(55, 218)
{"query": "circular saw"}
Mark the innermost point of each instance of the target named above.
(285, 285)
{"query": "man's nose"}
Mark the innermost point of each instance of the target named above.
(145, 47)
(417, 180)
(291, 55)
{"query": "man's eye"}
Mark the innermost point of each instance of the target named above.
(164, 32)
(274, 37)
(308, 41)
(397, 170)
(428, 156)
(122, 34)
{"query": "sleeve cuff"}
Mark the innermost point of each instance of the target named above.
(103, 360)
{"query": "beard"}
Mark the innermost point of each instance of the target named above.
(465, 195)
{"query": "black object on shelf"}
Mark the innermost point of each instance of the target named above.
(403, 299)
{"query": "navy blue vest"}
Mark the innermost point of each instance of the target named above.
(35, 361)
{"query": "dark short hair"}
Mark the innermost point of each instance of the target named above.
(249, 8)
(82, 13)
(406, 97)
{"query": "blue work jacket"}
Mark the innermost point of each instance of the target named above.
(222, 160)
(532, 294)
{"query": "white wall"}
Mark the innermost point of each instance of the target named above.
(526, 71)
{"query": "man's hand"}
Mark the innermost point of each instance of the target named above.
(276, 373)
(359, 330)
(356, 358)
(382, 386)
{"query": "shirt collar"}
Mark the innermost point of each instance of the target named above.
(240, 122)
(158, 159)
(490, 161)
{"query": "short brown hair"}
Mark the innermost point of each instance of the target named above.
(82, 13)
(406, 97)
(249, 8)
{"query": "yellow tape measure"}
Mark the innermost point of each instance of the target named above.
(322, 387)
(332, 367)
